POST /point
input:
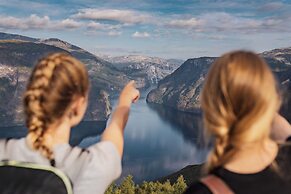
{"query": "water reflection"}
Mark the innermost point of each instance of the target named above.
(160, 141)
(13, 132)
(86, 130)
(188, 124)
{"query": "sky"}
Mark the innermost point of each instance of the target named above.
(176, 29)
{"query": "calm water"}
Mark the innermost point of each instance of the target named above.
(158, 141)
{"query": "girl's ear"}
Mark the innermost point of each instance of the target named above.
(77, 105)
(77, 110)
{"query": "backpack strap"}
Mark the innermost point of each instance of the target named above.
(216, 185)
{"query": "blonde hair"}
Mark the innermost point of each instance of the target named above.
(54, 83)
(239, 101)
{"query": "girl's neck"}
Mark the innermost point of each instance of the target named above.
(58, 134)
(55, 135)
(253, 159)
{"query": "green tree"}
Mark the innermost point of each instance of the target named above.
(127, 186)
(180, 185)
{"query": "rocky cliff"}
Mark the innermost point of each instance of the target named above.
(147, 71)
(18, 54)
(181, 90)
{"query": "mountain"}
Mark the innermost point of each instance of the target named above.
(181, 90)
(18, 54)
(102, 73)
(147, 71)
(5, 36)
(278, 58)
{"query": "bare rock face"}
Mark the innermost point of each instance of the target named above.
(181, 90)
(13, 85)
(18, 54)
(147, 71)
(99, 107)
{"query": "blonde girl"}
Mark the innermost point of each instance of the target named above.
(239, 102)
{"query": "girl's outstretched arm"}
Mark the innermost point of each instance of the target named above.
(281, 129)
(115, 129)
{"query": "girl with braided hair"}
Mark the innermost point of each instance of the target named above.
(240, 103)
(55, 100)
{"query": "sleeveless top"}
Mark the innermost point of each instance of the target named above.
(267, 181)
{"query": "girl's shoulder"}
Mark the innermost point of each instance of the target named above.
(9, 146)
(99, 160)
(90, 169)
(18, 150)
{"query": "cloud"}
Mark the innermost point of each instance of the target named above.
(185, 23)
(112, 21)
(141, 35)
(272, 6)
(101, 26)
(114, 33)
(37, 22)
(96, 28)
(122, 16)
(218, 22)
(31, 22)
(27, 5)
(216, 37)
(69, 23)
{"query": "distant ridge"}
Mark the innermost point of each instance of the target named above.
(6, 36)
(181, 90)
(146, 69)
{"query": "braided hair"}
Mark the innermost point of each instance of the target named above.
(54, 83)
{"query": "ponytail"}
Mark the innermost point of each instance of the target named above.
(239, 100)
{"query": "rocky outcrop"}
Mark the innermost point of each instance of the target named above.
(181, 90)
(147, 71)
(12, 86)
(278, 59)
(19, 54)
(100, 109)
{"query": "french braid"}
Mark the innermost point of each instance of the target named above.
(53, 83)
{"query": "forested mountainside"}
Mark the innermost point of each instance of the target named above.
(181, 90)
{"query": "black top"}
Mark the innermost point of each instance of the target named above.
(267, 181)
